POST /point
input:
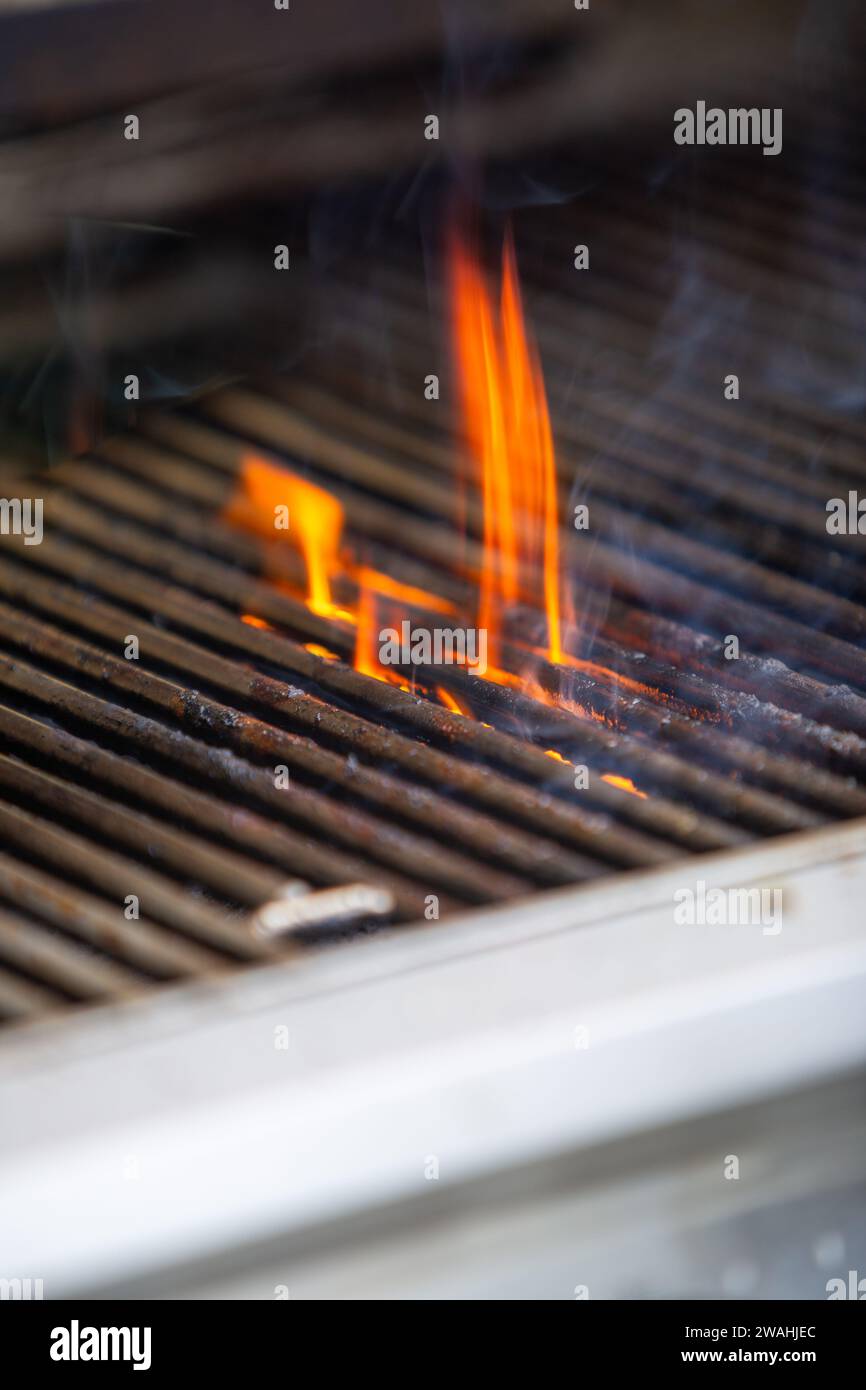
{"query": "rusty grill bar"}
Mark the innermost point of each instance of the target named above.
(154, 778)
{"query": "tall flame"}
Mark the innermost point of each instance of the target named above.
(314, 516)
(508, 428)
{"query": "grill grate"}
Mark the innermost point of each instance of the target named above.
(154, 778)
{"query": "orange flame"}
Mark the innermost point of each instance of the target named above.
(407, 594)
(451, 702)
(625, 784)
(372, 585)
(267, 495)
(552, 753)
(366, 656)
(508, 428)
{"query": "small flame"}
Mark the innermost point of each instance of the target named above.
(552, 753)
(252, 621)
(366, 655)
(406, 594)
(508, 428)
(452, 703)
(625, 784)
(372, 585)
(367, 630)
(268, 495)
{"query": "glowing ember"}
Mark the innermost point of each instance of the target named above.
(253, 621)
(625, 784)
(552, 753)
(315, 650)
(508, 428)
(273, 501)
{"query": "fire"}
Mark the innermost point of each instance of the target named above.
(367, 630)
(271, 500)
(452, 703)
(507, 425)
(366, 653)
(406, 594)
(373, 585)
(552, 753)
(625, 784)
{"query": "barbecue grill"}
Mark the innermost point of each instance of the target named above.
(315, 971)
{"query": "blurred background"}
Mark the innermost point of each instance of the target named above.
(307, 127)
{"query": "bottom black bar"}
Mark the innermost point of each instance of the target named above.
(161, 1338)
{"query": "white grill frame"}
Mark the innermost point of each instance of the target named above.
(142, 1137)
